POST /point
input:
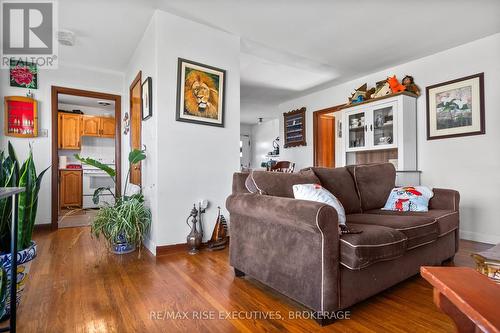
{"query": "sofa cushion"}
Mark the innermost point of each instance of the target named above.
(447, 220)
(340, 183)
(374, 182)
(374, 244)
(317, 193)
(279, 184)
(419, 230)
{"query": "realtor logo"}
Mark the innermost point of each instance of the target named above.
(28, 32)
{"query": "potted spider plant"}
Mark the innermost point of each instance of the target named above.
(125, 223)
(14, 175)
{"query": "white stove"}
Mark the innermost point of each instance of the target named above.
(94, 178)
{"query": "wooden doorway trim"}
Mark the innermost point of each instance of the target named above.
(135, 170)
(316, 116)
(54, 151)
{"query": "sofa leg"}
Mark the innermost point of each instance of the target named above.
(324, 320)
(448, 262)
(238, 273)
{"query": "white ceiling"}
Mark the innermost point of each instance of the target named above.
(289, 47)
(107, 31)
(86, 102)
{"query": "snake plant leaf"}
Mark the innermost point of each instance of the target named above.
(3, 291)
(97, 164)
(97, 193)
(34, 207)
(136, 155)
(13, 158)
(28, 181)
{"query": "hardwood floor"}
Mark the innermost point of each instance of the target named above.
(75, 285)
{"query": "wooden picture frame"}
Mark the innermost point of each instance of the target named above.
(456, 108)
(21, 117)
(295, 128)
(147, 98)
(200, 93)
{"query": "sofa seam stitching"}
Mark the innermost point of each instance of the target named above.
(322, 258)
(374, 245)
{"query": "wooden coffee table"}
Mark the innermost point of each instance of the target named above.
(488, 263)
(468, 297)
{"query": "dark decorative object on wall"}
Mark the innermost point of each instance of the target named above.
(147, 99)
(456, 108)
(295, 128)
(200, 93)
(23, 74)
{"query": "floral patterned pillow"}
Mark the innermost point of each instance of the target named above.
(409, 199)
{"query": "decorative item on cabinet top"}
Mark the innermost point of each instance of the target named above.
(21, 117)
(295, 128)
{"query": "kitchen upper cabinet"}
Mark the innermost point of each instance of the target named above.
(69, 131)
(70, 189)
(107, 126)
(103, 127)
(91, 125)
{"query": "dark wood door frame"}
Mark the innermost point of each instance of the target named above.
(55, 161)
(137, 80)
(316, 115)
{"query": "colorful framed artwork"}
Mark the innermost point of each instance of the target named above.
(200, 93)
(147, 99)
(23, 74)
(456, 108)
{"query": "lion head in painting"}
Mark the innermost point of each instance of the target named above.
(201, 98)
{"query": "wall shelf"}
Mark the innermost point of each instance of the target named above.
(295, 129)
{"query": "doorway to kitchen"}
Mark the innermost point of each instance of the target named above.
(324, 133)
(86, 123)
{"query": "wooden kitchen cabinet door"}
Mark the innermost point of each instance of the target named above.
(70, 131)
(71, 190)
(91, 125)
(107, 127)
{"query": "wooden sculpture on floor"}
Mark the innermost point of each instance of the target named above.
(219, 235)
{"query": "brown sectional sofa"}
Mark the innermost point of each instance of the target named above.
(294, 245)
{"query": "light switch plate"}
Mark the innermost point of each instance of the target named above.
(44, 133)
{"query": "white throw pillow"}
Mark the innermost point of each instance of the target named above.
(316, 192)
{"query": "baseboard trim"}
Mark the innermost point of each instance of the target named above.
(163, 250)
(479, 237)
(43, 227)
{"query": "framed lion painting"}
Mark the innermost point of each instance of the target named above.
(200, 93)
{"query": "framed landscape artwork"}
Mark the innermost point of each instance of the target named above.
(456, 108)
(23, 74)
(200, 93)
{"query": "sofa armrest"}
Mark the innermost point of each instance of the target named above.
(445, 199)
(303, 214)
(291, 245)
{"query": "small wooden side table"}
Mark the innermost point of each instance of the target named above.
(488, 262)
(468, 297)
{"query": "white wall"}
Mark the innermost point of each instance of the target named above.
(196, 161)
(262, 141)
(73, 77)
(191, 162)
(468, 164)
(145, 59)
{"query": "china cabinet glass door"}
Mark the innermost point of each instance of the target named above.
(357, 130)
(383, 126)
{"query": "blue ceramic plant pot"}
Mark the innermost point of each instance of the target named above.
(24, 259)
(121, 246)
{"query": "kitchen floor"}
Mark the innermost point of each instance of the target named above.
(69, 218)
